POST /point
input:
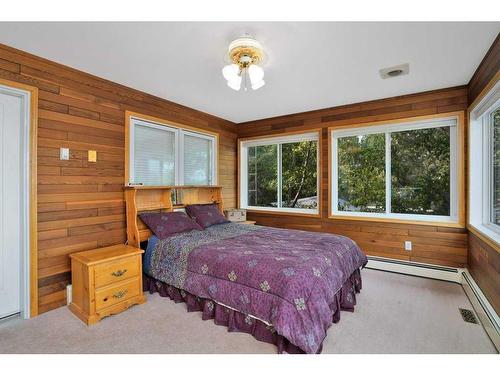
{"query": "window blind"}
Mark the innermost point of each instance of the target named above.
(154, 156)
(197, 160)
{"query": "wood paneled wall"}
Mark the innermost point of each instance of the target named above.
(431, 244)
(486, 71)
(81, 204)
(484, 266)
(484, 259)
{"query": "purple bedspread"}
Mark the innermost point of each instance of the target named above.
(286, 278)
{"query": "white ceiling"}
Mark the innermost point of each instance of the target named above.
(310, 65)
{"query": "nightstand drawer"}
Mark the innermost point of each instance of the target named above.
(116, 293)
(119, 270)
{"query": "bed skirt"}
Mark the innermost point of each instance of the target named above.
(235, 321)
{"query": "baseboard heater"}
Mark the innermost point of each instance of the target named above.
(416, 269)
(486, 313)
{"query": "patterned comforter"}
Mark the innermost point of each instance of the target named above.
(286, 278)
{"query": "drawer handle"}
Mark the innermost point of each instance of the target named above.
(119, 273)
(120, 294)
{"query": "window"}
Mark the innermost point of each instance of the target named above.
(198, 160)
(484, 167)
(280, 173)
(361, 158)
(154, 151)
(397, 171)
(161, 154)
(262, 176)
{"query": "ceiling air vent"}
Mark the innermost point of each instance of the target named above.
(395, 71)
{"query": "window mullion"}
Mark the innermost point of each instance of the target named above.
(388, 174)
(335, 174)
(279, 175)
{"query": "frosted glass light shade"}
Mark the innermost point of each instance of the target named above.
(258, 85)
(235, 83)
(233, 76)
(230, 72)
(256, 74)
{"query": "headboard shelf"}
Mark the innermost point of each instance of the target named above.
(141, 199)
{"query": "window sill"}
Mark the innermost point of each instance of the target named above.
(485, 234)
(447, 224)
(282, 212)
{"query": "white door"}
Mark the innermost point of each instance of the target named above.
(11, 187)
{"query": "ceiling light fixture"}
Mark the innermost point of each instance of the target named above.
(245, 56)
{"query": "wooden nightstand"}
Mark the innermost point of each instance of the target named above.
(248, 222)
(105, 281)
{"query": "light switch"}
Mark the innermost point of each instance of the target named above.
(64, 153)
(408, 245)
(92, 156)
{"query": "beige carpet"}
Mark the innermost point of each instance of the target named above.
(394, 314)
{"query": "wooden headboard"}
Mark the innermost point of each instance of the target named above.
(163, 198)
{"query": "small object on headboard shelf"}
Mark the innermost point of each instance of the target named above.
(154, 198)
(236, 215)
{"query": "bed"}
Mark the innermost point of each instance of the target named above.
(282, 286)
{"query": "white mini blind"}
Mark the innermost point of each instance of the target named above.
(154, 156)
(197, 160)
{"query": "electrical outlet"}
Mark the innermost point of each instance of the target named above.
(408, 245)
(64, 153)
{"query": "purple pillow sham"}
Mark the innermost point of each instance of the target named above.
(167, 224)
(206, 215)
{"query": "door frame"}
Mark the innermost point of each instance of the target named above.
(29, 256)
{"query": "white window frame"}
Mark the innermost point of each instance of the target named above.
(179, 133)
(451, 121)
(480, 165)
(279, 141)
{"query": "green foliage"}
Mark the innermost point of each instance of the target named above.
(421, 171)
(262, 176)
(299, 174)
(361, 171)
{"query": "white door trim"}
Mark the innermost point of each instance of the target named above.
(25, 196)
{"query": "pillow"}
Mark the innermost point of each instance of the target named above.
(166, 224)
(206, 215)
